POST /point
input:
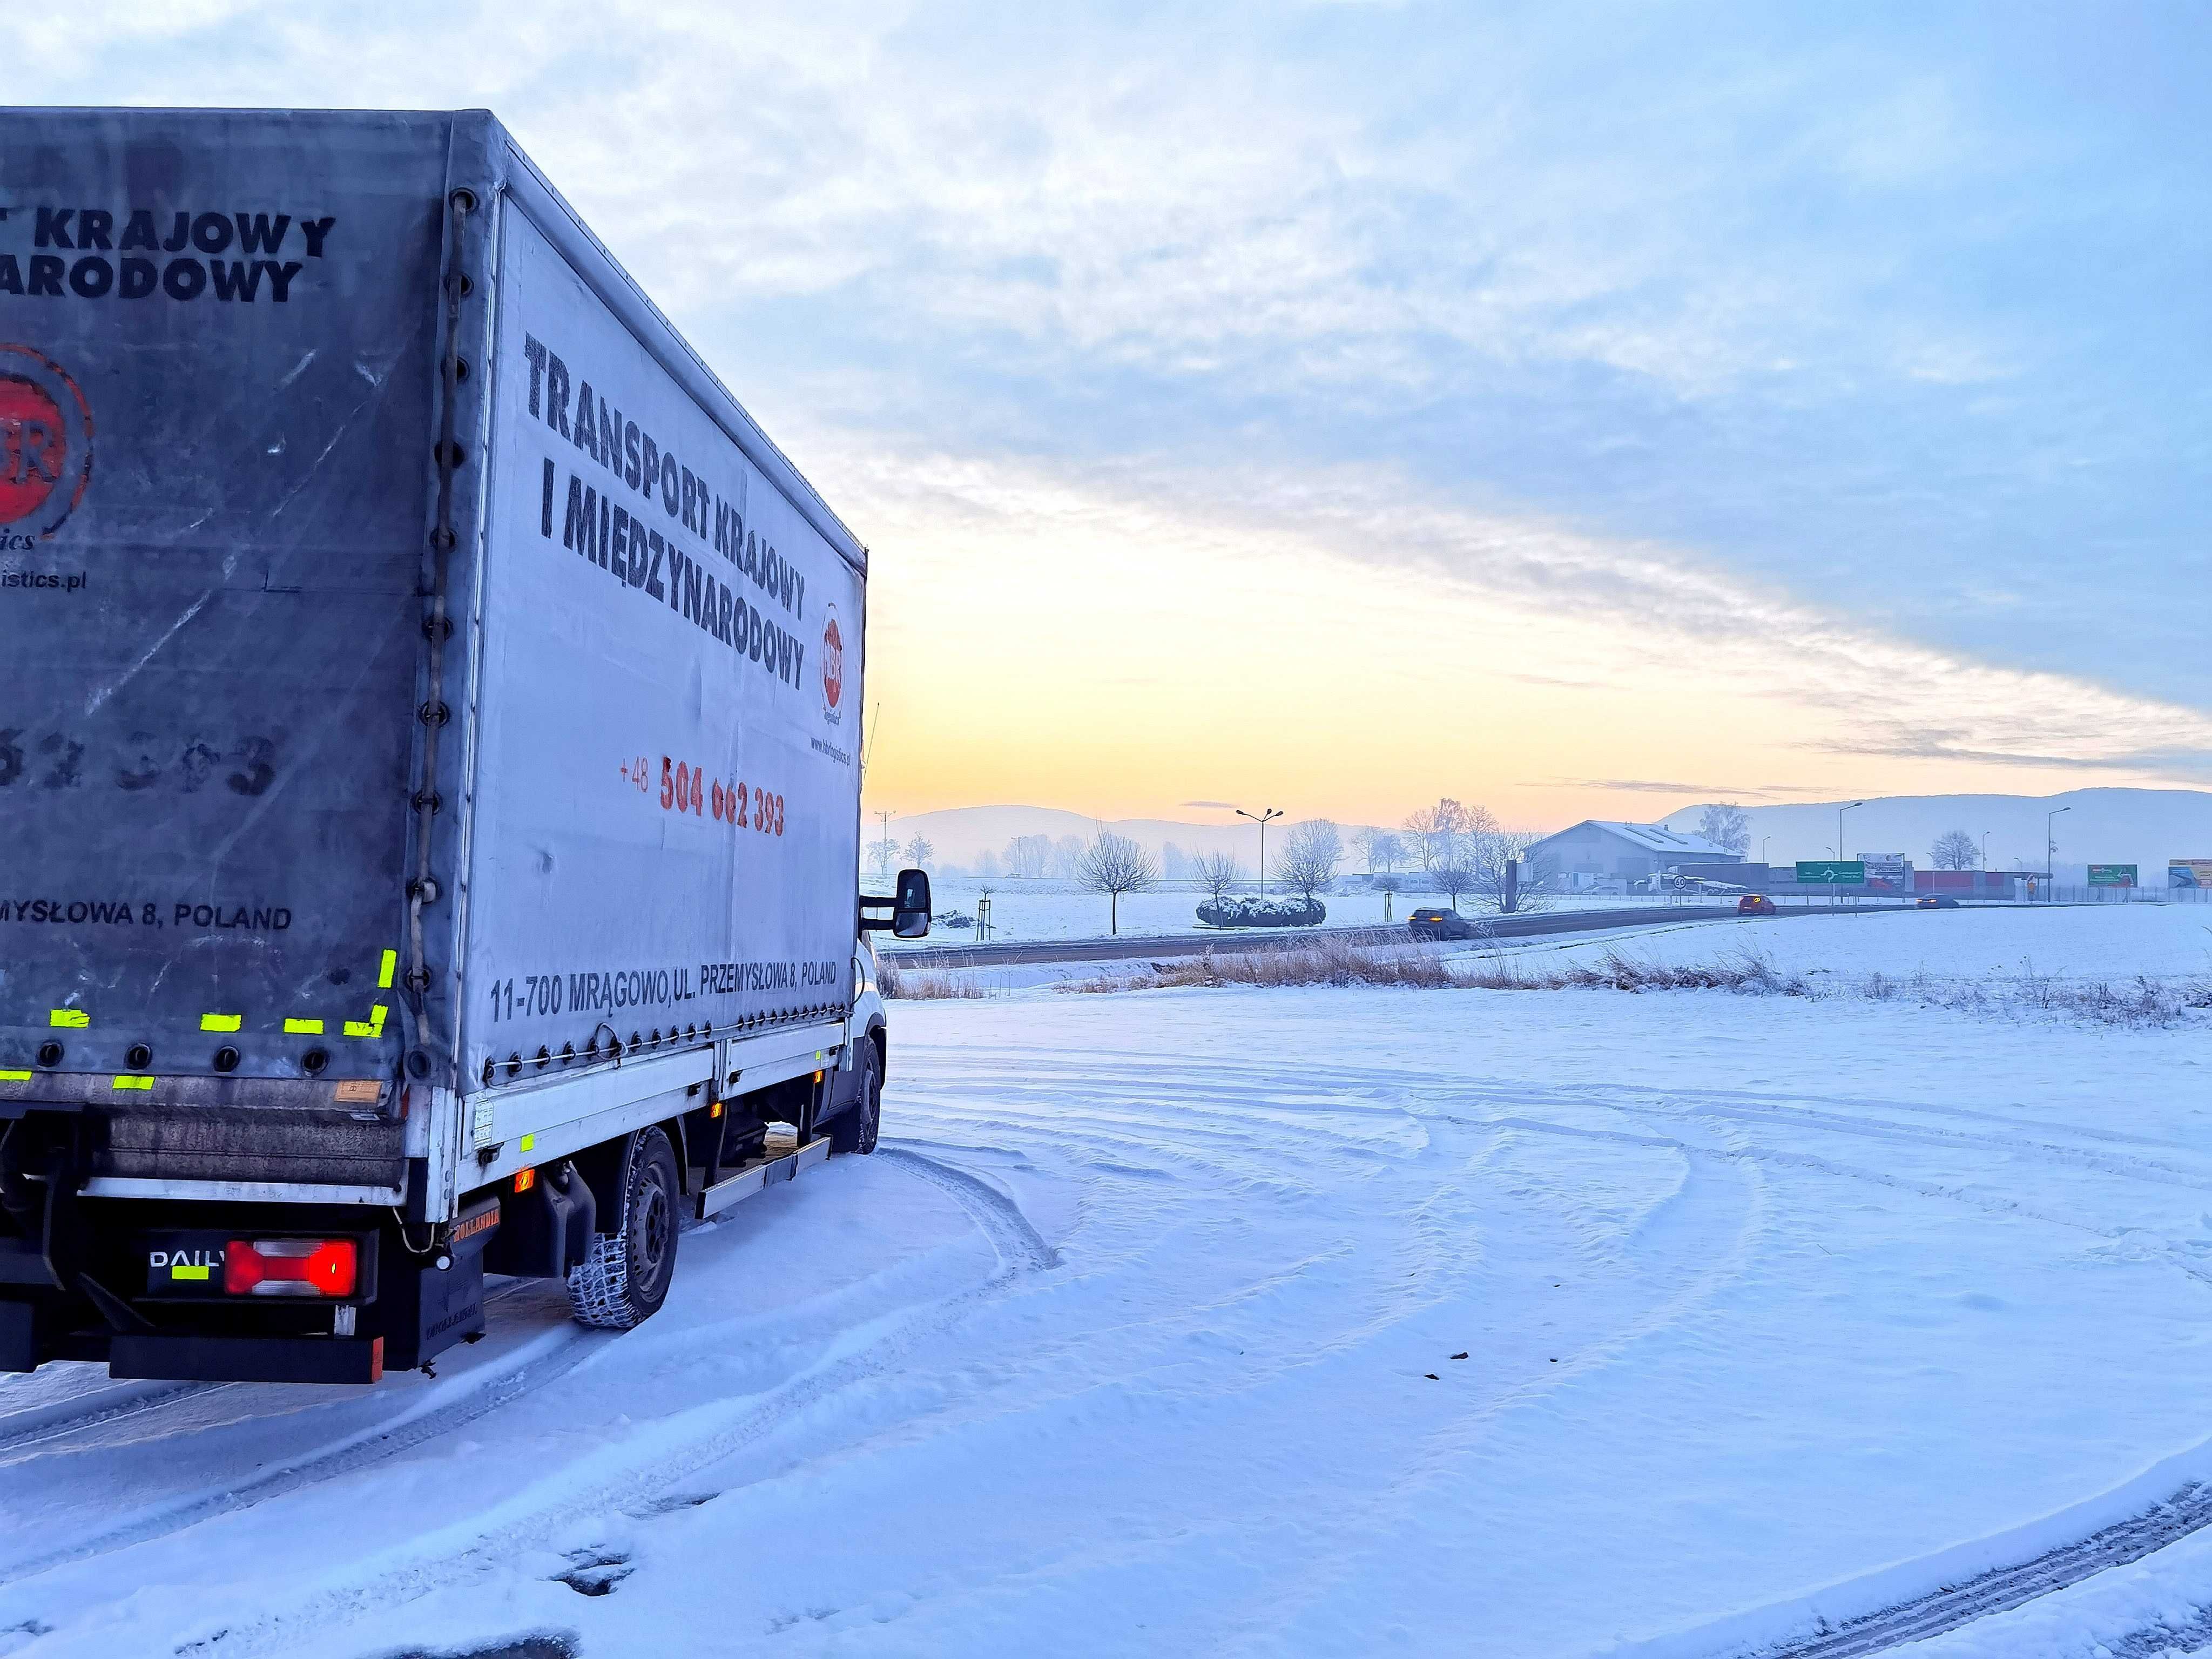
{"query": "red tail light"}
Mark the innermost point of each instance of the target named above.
(290, 1267)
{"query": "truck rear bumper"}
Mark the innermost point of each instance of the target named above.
(248, 1358)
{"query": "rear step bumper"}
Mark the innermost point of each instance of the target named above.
(248, 1358)
(758, 1177)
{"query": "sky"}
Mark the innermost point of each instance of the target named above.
(1581, 409)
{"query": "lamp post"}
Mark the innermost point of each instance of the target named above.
(2050, 850)
(1840, 810)
(885, 842)
(1263, 820)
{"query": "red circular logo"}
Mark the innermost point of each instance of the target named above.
(46, 442)
(832, 664)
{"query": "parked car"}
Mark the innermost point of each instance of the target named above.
(1439, 923)
(1935, 902)
(1754, 904)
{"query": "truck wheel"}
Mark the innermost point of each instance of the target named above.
(625, 1278)
(853, 1129)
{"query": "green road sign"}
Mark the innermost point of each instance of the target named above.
(2112, 875)
(1839, 872)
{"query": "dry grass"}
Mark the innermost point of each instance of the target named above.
(927, 985)
(2141, 1001)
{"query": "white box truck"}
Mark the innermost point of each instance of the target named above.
(429, 772)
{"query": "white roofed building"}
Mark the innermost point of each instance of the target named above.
(1602, 849)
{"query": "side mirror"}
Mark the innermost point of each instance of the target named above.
(910, 910)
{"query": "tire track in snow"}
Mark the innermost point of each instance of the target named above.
(118, 1402)
(541, 1361)
(471, 1550)
(1016, 1242)
(1019, 1245)
(35, 1425)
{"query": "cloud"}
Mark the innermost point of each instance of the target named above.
(1820, 370)
(1645, 785)
(1225, 806)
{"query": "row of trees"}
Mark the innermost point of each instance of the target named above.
(1461, 850)
(1464, 851)
(1113, 865)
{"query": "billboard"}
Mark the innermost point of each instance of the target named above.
(2189, 872)
(1841, 873)
(1886, 869)
(2112, 875)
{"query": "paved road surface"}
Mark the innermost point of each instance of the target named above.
(1269, 938)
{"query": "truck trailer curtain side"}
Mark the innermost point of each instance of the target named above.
(427, 731)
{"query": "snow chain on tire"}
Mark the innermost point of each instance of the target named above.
(598, 1291)
(600, 1288)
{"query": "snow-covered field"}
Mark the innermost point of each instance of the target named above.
(2000, 943)
(1306, 1322)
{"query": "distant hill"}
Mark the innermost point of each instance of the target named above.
(962, 834)
(2143, 827)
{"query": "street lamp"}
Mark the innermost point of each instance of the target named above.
(1263, 820)
(2050, 850)
(884, 846)
(1762, 840)
(1986, 849)
(1840, 810)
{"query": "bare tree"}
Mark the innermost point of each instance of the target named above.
(1489, 854)
(1954, 849)
(1068, 857)
(1385, 854)
(1435, 831)
(886, 853)
(1216, 873)
(1452, 878)
(1726, 826)
(1310, 856)
(920, 851)
(1114, 864)
(1029, 856)
(1175, 863)
(1379, 849)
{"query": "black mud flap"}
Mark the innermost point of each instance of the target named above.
(248, 1358)
(425, 1310)
(19, 1336)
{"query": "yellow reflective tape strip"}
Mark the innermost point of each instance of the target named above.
(304, 1027)
(384, 974)
(221, 1022)
(185, 1270)
(76, 1017)
(529, 1143)
(127, 1082)
(14, 1077)
(370, 1027)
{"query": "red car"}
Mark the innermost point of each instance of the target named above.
(1754, 904)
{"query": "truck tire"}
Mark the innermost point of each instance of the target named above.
(853, 1129)
(624, 1281)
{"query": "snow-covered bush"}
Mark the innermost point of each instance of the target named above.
(1251, 912)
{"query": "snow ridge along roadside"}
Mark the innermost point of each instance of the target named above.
(2003, 1588)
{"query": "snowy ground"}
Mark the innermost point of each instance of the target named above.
(1142, 1335)
(2000, 943)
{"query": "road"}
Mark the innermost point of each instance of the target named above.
(1529, 926)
